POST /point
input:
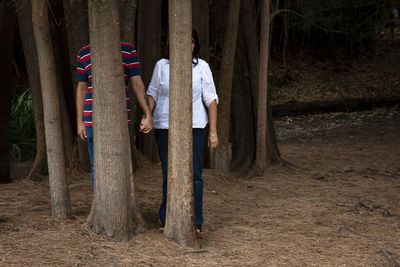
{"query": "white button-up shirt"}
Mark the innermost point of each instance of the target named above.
(203, 91)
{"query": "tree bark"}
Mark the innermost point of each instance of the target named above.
(180, 221)
(60, 206)
(64, 83)
(222, 157)
(112, 211)
(243, 115)
(77, 27)
(127, 12)
(7, 31)
(266, 141)
(200, 11)
(39, 168)
(149, 50)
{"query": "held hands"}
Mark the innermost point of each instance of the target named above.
(212, 141)
(82, 131)
(146, 124)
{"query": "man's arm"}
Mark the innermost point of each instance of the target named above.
(146, 124)
(80, 103)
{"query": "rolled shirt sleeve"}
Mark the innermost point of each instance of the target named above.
(209, 91)
(155, 81)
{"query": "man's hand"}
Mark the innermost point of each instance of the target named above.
(146, 124)
(82, 131)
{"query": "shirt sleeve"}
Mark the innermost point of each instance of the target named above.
(208, 86)
(155, 81)
(133, 64)
(81, 75)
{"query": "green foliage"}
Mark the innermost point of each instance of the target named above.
(22, 132)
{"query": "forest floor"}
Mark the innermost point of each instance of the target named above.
(337, 203)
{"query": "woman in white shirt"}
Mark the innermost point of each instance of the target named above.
(203, 92)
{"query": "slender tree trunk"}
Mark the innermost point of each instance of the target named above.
(60, 205)
(222, 158)
(39, 168)
(149, 32)
(180, 222)
(64, 83)
(112, 211)
(7, 31)
(261, 143)
(266, 147)
(77, 27)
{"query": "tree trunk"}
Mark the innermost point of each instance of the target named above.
(77, 27)
(39, 168)
(266, 141)
(180, 221)
(243, 119)
(112, 211)
(200, 11)
(222, 157)
(149, 32)
(60, 205)
(64, 83)
(127, 12)
(7, 31)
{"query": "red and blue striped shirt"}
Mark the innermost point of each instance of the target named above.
(131, 65)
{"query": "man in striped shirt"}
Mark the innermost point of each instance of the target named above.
(84, 100)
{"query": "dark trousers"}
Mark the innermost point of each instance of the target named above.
(89, 140)
(198, 144)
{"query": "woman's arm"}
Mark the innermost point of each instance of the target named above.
(212, 117)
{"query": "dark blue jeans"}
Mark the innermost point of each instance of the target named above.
(198, 144)
(89, 140)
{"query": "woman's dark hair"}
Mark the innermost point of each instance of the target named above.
(196, 50)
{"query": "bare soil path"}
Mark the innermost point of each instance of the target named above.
(337, 204)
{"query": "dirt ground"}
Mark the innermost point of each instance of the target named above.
(337, 203)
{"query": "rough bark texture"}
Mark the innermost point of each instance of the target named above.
(77, 27)
(7, 31)
(200, 11)
(60, 206)
(222, 157)
(149, 51)
(180, 225)
(39, 168)
(112, 211)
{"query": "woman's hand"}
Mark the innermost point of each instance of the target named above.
(212, 141)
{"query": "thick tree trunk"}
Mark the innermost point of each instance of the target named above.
(149, 32)
(200, 11)
(180, 222)
(77, 27)
(7, 31)
(112, 211)
(60, 205)
(222, 157)
(39, 168)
